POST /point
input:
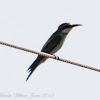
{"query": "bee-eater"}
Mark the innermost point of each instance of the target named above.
(53, 44)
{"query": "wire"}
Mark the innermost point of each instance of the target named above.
(50, 56)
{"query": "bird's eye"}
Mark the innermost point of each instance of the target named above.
(65, 27)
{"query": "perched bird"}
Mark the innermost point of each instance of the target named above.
(53, 44)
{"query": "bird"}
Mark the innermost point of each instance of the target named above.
(53, 44)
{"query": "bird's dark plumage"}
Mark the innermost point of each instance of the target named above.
(46, 48)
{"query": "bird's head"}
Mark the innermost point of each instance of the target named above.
(67, 27)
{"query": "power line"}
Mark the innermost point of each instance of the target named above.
(49, 56)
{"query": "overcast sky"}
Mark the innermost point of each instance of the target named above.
(29, 23)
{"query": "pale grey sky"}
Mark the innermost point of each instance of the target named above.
(29, 24)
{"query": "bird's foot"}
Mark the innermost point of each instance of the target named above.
(56, 57)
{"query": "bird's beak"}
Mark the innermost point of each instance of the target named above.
(76, 25)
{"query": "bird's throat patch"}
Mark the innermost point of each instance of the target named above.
(67, 30)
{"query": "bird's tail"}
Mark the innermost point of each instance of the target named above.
(32, 68)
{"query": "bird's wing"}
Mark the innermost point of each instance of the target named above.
(51, 44)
